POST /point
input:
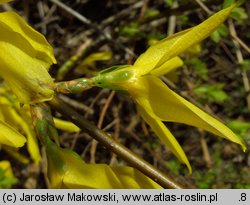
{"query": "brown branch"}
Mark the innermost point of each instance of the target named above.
(99, 125)
(240, 59)
(114, 146)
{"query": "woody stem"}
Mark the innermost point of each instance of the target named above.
(114, 146)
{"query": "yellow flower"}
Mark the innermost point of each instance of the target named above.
(154, 100)
(19, 119)
(9, 136)
(67, 170)
(65, 125)
(25, 59)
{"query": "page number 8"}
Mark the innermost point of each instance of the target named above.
(243, 197)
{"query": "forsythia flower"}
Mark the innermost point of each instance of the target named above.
(25, 59)
(154, 100)
(9, 136)
(67, 170)
(65, 125)
(18, 118)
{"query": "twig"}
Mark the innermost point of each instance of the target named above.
(143, 8)
(116, 132)
(99, 125)
(227, 51)
(74, 86)
(72, 12)
(75, 138)
(104, 109)
(114, 146)
(111, 124)
(97, 97)
(144, 128)
(240, 60)
(204, 7)
(72, 61)
(122, 13)
(87, 147)
(185, 6)
(205, 151)
(41, 13)
(45, 19)
(241, 43)
(26, 9)
(96, 27)
(77, 105)
(172, 22)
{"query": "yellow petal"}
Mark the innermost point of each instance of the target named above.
(132, 178)
(17, 32)
(169, 106)
(98, 56)
(65, 125)
(67, 170)
(4, 1)
(9, 136)
(6, 166)
(32, 143)
(22, 123)
(1, 116)
(193, 50)
(90, 62)
(88, 176)
(173, 45)
(7, 177)
(15, 153)
(26, 76)
(167, 67)
(28, 129)
(24, 60)
(162, 132)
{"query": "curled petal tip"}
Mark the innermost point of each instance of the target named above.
(244, 148)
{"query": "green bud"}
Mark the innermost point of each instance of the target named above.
(113, 77)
